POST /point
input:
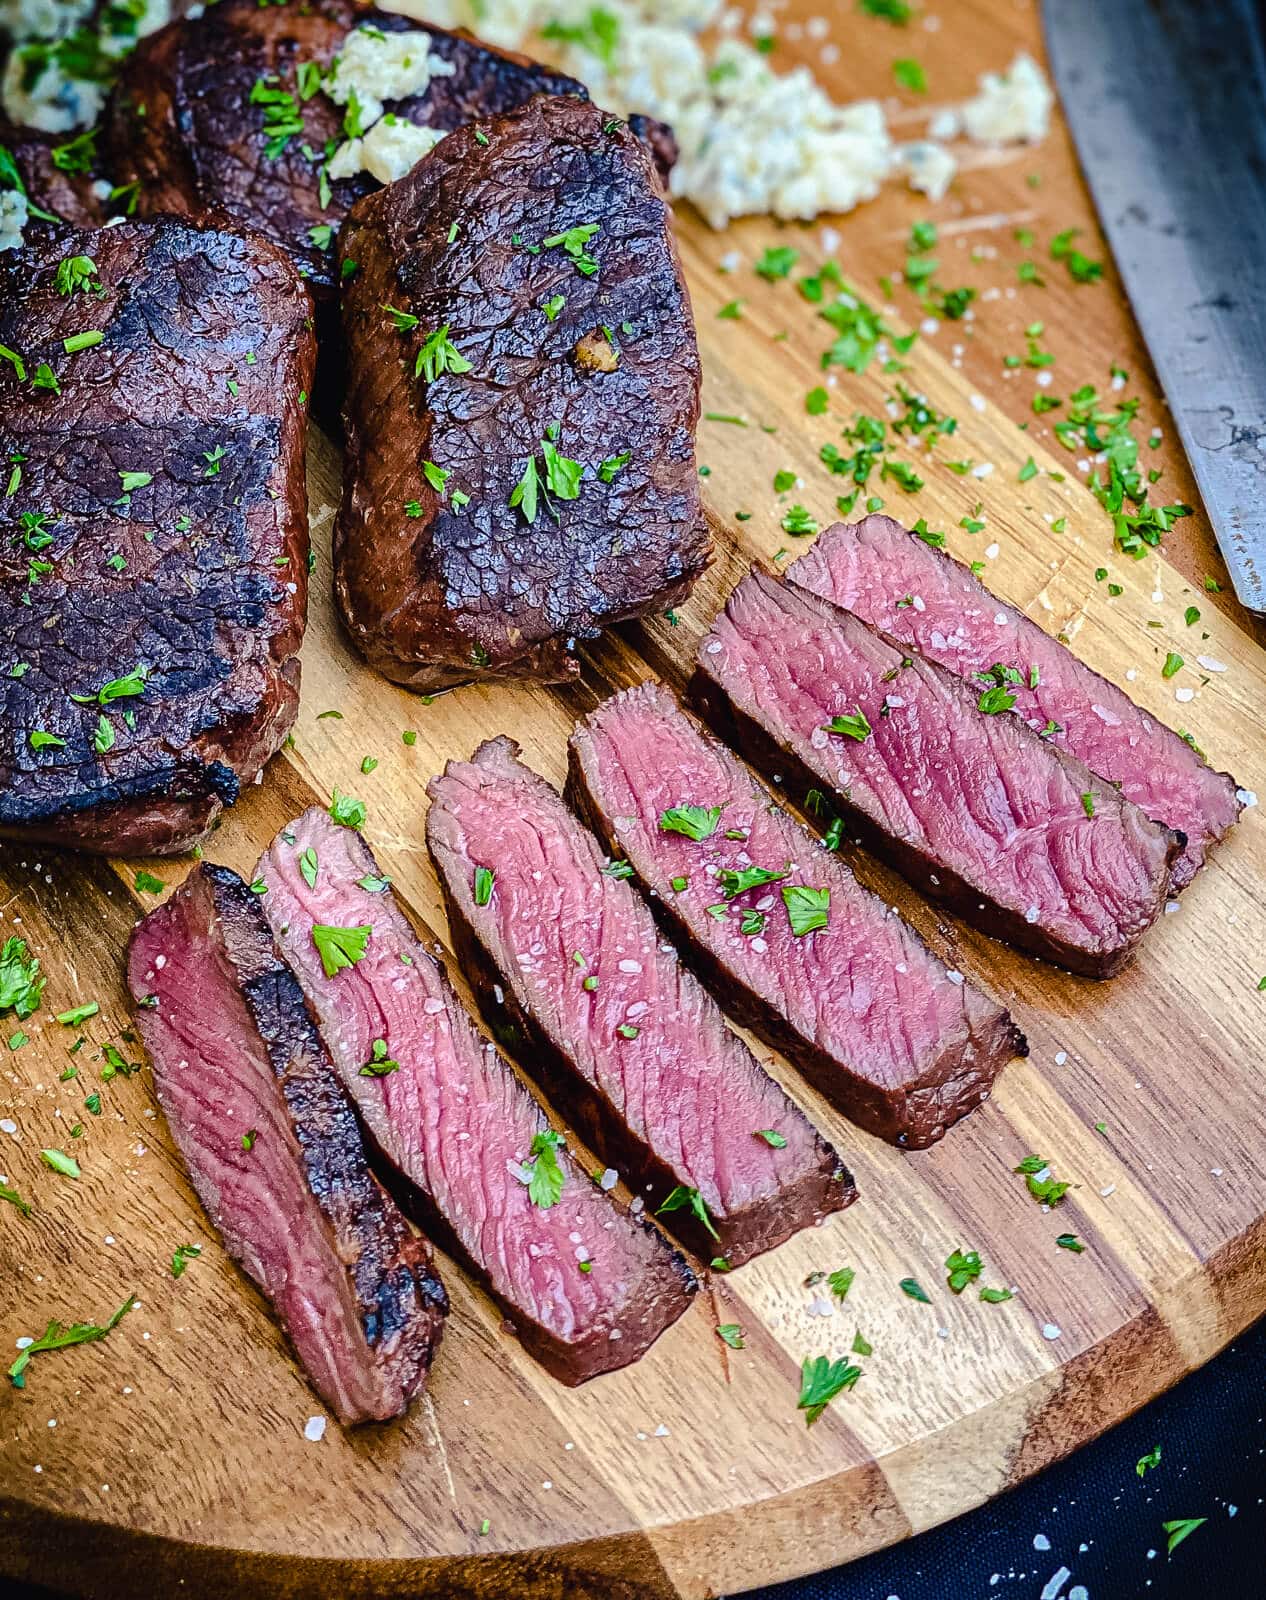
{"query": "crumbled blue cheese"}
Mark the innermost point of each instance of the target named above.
(372, 68)
(1012, 107)
(37, 91)
(390, 149)
(928, 166)
(13, 215)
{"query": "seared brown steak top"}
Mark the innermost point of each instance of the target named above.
(153, 539)
(522, 399)
(183, 121)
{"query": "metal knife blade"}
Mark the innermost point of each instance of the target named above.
(1167, 103)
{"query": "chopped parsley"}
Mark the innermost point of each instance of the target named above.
(15, 1199)
(182, 1256)
(483, 886)
(1145, 1463)
(339, 947)
(820, 1381)
(807, 909)
(60, 1162)
(75, 273)
(962, 1268)
(912, 1287)
(347, 811)
(910, 75)
(21, 984)
(282, 121)
(696, 822)
(777, 262)
(682, 1199)
(545, 1175)
(58, 1337)
(1179, 1528)
(853, 725)
(1041, 1185)
(772, 1138)
(732, 1334)
(380, 1063)
(147, 883)
(841, 1282)
(559, 480)
(573, 242)
(438, 355)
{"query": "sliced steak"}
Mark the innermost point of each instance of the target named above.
(847, 991)
(154, 537)
(970, 804)
(627, 1042)
(871, 567)
(274, 1149)
(587, 1287)
(197, 121)
(515, 479)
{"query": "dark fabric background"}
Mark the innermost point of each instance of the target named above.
(1093, 1515)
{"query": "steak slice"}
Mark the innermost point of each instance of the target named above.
(154, 538)
(868, 1014)
(587, 1287)
(626, 1041)
(976, 810)
(274, 1150)
(871, 566)
(182, 122)
(515, 481)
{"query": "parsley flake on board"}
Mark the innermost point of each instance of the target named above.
(820, 1381)
(730, 1333)
(339, 947)
(58, 1337)
(995, 1297)
(182, 1256)
(696, 822)
(347, 811)
(912, 1287)
(20, 982)
(1041, 1185)
(59, 1161)
(841, 1282)
(681, 1199)
(72, 1019)
(777, 262)
(15, 1199)
(146, 883)
(962, 1267)
(544, 1174)
(1146, 1463)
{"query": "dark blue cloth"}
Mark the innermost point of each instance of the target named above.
(1094, 1515)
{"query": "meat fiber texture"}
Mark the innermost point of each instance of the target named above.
(586, 1286)
(626, 1040)
(274, 1150)
(154, 537)
(439, 577)
(975, 809)
(903, 1046)
(200, 142)
(870, 567)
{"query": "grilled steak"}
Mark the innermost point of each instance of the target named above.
(515, 480)
(967, 802)
(586, 1286)
(781, 929)
(627, 1042)
(62, 196)
(154, 539)
(273, 1148)
(227, 113)
(873, 565)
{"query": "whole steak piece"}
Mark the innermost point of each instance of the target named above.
(938, 777)
(522, 398)
(154, 536)
(566, 953)
(586, 1284)
(781, 930)
(229, 112)
(273, 1148)
(922, 597)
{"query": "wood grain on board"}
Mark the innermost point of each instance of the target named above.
(175, 1450)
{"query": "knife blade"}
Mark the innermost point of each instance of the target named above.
(1167, 104)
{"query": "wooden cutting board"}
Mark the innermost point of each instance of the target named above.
(175, 1453)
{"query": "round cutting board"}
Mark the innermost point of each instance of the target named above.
(186, 1454)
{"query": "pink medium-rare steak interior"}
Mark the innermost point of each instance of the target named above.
(872, 566)
(455, 1119)
(274, 1150)
(674, 1091)
(901, 1044)
(973, 806)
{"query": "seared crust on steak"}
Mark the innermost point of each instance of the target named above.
(155, 531)
(438, 586)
